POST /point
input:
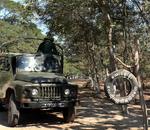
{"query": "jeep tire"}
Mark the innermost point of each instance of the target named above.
(110, 89)
(1, 107)
(13, 113)
(69, 114)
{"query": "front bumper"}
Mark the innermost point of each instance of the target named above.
(47, 104)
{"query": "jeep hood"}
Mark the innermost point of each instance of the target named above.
(40, 77)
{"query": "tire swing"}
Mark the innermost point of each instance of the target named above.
(121, 86)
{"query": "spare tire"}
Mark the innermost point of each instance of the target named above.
(116, 80)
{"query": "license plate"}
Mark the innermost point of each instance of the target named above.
(49, 105)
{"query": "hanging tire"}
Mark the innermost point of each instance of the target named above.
(116, 80)
(13, 113)
(69, 114)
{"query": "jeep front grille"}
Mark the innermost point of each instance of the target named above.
(50, 92)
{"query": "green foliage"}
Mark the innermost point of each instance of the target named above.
(71, 68)
(15, 12)
(16, 32)
(5, 77)
(16, 25)
(83, 27)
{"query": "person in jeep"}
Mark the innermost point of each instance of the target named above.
(48, 46)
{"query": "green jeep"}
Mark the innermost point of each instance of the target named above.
(35, 81)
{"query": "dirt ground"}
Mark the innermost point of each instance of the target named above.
(93, 113)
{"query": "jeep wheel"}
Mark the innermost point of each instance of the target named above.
(1, 107)
(13, 113)
(69, 114)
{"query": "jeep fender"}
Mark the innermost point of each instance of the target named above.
(7, 90)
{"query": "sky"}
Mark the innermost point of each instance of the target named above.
(16, 0)
(41, 26)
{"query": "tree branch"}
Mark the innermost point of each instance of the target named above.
(125, 65)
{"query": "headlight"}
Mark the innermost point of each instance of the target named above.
(67, 92)
(35, 92)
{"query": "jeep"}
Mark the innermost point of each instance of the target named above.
(35, 81)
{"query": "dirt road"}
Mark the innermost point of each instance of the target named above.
(92, 114)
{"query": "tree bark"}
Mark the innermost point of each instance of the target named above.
(104, 6)
(136, 71)
(93, 68)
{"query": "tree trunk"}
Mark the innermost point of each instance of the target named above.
(136, 71)
(104, 6)
(93, 69)
(112, 66)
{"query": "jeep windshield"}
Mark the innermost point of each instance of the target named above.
(38, 63)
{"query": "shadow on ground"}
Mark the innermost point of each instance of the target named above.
(34, 118)
(92, 114)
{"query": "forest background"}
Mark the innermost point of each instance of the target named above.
(93, 33)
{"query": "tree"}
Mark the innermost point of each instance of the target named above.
(91, 29)
(15, 29)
